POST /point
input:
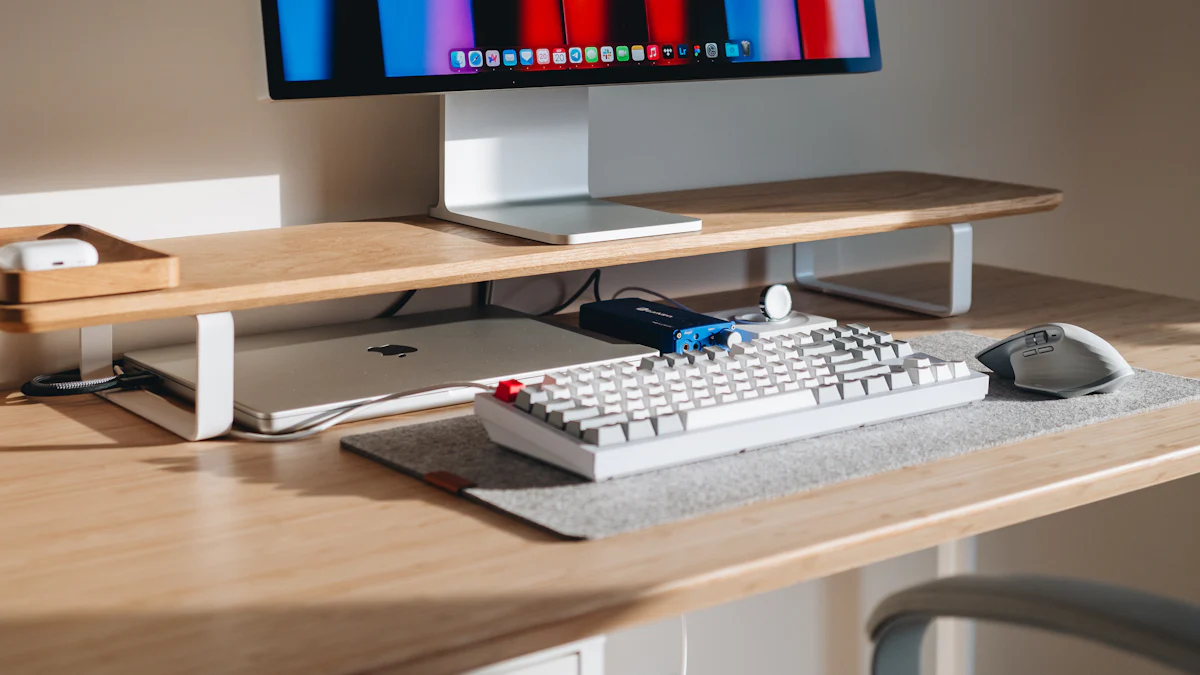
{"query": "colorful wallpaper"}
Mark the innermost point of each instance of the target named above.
(321, 39)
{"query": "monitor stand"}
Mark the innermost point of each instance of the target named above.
(516, 162)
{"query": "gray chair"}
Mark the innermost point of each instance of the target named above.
(1157, 628)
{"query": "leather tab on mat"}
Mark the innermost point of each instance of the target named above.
(448, 481)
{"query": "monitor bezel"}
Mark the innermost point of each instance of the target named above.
(282, 89)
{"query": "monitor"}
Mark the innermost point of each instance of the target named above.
(515, 161)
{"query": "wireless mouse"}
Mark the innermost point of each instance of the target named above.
(1059, 359)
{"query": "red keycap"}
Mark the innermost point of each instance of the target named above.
(507, 391)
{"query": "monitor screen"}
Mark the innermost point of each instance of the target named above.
(319, 48)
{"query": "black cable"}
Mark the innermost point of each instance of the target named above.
(593, 281)
(69, 384)
(647, 291)
(397, 306)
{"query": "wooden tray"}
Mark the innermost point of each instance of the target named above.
(124, 267)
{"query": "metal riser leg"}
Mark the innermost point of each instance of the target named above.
(960, 282)
(213, 412)
(956, 639)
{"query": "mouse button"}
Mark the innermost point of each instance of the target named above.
(1031, 352)
(1045, 350)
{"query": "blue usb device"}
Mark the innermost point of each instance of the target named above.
(667, 329)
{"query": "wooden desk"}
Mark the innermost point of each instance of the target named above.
(126, 551)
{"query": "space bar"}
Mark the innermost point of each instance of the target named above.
(729, 413)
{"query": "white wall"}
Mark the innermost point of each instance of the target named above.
(1094, 96)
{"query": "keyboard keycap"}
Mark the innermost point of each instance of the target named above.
(543, 410)
(898, 380)
(676, 360)
(581, 389)
(885, 352)
(875, 385)
(637, 430)
(851, 364)
(846, 344)
(921, 376)
(561, 418)
(961, 370)
(866, 353)
(817, 348)
(646, 378)
(577, 427)
(852, 389)
(668, 424)
(528, 396)
(827, 394)
(653, 363)
(604, 436)
(903, 349)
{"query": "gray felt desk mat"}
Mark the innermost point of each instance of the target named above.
(571, 507)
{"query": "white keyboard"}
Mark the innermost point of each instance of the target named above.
(624, 419)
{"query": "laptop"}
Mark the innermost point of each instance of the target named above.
(290, 380)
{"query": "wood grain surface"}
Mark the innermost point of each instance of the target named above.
(124, 267)
(265, 268)
(129, 551)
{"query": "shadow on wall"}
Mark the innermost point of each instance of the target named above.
(140, 92)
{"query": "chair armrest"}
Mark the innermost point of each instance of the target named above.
(1154, 627)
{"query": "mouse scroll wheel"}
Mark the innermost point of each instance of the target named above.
(1037, 339)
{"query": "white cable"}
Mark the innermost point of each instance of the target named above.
(647, 291)
(683, 656)
(333, 421)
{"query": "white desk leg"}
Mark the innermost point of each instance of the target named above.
(212, 415)
(956, 639)
(96, 352)
(961, 264)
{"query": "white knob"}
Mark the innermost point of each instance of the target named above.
(776, 303)
(730, 338)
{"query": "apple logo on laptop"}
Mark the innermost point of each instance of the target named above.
(394, 350)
